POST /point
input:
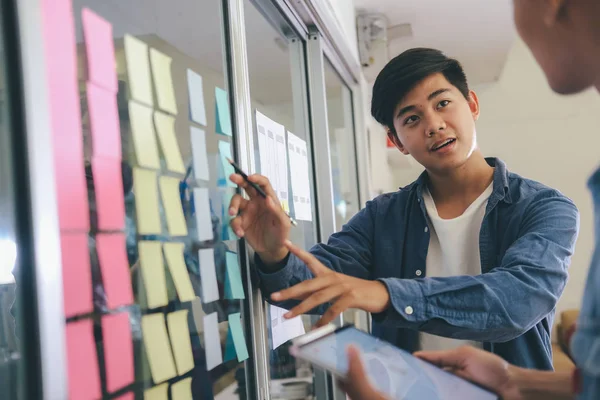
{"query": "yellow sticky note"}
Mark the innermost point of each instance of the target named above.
(153, 273)
(165, 128)
(169, 191)
(158, 349)
(180, 340)
(163, 81)
(181, 278)
(138, 70)
(144, 138)
(145, 189)
(159, 392)
(182, 390)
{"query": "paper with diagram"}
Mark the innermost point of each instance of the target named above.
(283, 329)
(298, 154)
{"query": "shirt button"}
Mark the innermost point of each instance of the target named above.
(408, 310)
(418, 272)
(426, 229)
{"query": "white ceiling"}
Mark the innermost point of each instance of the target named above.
(478, 33)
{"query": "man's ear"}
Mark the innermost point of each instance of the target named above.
(393, 136)
(555, 9)
(474, 105)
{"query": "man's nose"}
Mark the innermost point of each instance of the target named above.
(435, 124)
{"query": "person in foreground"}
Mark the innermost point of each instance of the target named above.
(468, 253)
(564, 37)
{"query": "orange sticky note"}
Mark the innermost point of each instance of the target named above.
(82, 361)
(112, 256)
(100, 50)
(118, 351)
(108, 188)
(104, 122)
(77, 274)
(65, 114)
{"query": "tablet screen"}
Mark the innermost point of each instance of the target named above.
(391, 370)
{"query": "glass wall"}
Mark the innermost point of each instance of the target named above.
(342, 147)
(278, 89)
(11, 363)
(163, 302)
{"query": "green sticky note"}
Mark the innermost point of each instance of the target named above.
(223, 118)
(225, 169)
(234, 289)
(229, 347)
(237, 332)
(227, 232)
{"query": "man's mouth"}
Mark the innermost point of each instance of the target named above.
(443, 144)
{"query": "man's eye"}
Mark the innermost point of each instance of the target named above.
(411, 119)
(443, 103)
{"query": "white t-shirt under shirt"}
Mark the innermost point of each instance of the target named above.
(453, 251)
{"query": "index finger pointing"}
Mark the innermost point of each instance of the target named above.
(311, 261)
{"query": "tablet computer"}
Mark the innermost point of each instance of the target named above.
(391, 370)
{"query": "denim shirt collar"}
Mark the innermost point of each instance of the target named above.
(500, 186)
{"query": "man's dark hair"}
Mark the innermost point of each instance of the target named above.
(404, 72)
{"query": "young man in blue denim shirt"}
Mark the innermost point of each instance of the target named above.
(564, 37)
(467, 253)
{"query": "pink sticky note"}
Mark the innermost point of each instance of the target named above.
(108, 187)
(118, 351)
(112, 257)
(84, 380)
(104, 122)
(100, 50)
(126, 396)
(77, 274)
(63, 97)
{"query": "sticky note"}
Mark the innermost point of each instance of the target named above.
(160, 392)
(126, 396)
(198, 315)
(147, 210)
(179, 273)
(118, 351)
(208, 275)
(108, 188)
(153, 273)
(138, 70)
(227, 233)
(158, 349)
(180, 341)
(163, 81)
(82, 361)
(227, 169)
(112, 257)
(165, 128)
(199, 154)
(223, 117)
(237, 332)
(230, 353)
(104, 122)
(212, 341)
(234, 289)
(182, 390)
(203, 215)
(169, 191)
(76, 274)
(144, 139)
(65, 115)
(196, 96)
(100, 50)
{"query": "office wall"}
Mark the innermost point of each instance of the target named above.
(542, 136)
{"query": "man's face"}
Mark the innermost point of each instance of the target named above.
(436, 124)
(560, 37)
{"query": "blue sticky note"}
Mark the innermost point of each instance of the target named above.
(234, 289)
(235, 327)
(223, 117)
(227, 233)
(225, 169)
(230, 353)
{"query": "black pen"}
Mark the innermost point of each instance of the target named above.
(258, 189)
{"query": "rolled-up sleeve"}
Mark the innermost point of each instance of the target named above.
(507, 301)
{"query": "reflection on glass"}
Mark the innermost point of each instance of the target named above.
(168, 62)
(278, 93)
